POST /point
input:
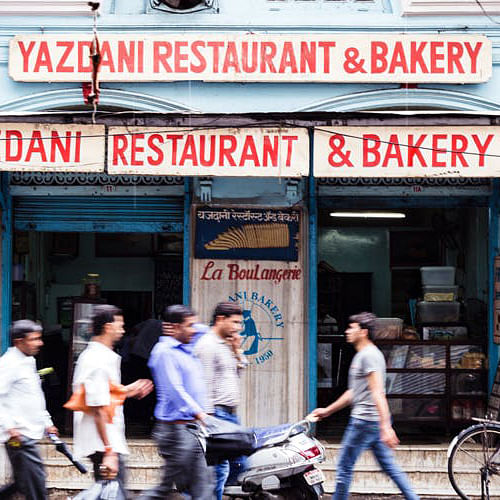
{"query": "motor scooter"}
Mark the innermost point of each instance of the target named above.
(283, 466)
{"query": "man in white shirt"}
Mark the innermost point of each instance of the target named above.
(223, 360)
(98, 365)
(23, 415)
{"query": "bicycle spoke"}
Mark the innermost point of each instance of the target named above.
(465, 452)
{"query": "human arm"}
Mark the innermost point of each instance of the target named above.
(139, 389)
(97, 398)
(235, 344)
(7, 414)
(337, 405)
(110, 458)
(387, 433)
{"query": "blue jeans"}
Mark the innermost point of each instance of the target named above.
(360, 435)
(227, 471)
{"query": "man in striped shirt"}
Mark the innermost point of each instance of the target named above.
(222, 359)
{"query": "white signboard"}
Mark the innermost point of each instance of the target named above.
(379, 57)
(259, 152)
(33, 147)
(445, 151)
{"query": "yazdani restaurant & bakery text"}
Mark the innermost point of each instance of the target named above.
(255, 58)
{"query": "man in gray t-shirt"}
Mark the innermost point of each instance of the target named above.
(370, 423)
(366, 361)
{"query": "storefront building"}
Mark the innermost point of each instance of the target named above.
(304, 159)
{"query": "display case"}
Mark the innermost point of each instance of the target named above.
(435, 381)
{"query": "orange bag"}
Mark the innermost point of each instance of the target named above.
(117, 393)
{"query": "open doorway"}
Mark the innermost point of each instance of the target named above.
(434, 327)
(58, 277)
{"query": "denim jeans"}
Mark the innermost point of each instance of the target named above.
(227, 471)
(360, 435)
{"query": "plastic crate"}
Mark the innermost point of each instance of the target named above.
(440, 293)
(388, 328)
(438, 275)
(438, 312)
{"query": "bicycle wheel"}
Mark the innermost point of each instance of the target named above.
(473, 456)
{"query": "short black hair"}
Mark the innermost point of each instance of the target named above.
(103, 314)
(177, 313)
(366, 321)
(22, 328)
(226, 309)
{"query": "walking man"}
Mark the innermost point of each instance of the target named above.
(180, 389)
(98, 365)
(23, 416)
(370, 423)
(222, 359)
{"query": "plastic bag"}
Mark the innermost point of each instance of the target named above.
(103, 490)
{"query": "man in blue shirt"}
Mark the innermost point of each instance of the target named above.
(180, 389)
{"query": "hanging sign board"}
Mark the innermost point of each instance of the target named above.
(445, 151)
(33, 147)
(273, 333)
(327, 58)
(259, 152)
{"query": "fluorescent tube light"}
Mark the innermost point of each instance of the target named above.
(369, 215)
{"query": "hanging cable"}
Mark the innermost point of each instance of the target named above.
(92, 91)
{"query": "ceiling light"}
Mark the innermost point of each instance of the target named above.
(369, 215)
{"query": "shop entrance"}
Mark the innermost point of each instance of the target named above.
(434, 337)
(59, 275)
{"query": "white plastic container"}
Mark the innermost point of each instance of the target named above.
(438, 275)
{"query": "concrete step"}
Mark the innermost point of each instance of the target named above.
(426, 466)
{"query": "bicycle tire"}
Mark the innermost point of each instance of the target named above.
(476, 443)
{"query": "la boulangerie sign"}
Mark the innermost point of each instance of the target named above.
(260, 152)
(51, 147)
(445, 151)
(362, 58)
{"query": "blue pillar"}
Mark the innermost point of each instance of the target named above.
(186, 281)
(492, 252)
(7, 236)
(313, 282)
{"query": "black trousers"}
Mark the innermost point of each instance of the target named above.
(29, 473)
(185, 468)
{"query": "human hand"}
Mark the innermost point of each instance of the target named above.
(14, 434)
(317, 414)
(140, 388)
(109, 466)
(167, 329)
(202, 416)
(52, 429)
(235, 343)
(388, 436)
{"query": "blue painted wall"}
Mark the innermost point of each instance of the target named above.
(134, 16)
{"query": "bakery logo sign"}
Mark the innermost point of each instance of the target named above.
(263, 325)
(247, 234)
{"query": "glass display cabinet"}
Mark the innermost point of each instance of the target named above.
(435, 381)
